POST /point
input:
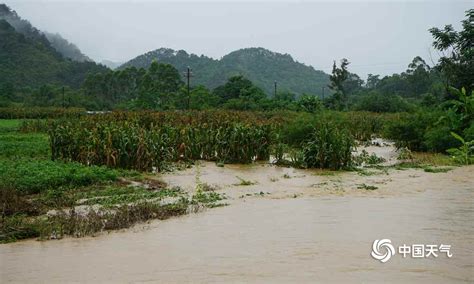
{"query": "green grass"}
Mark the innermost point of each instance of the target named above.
(30, 176)
(9, 125)
(25, 164)
(14, 146)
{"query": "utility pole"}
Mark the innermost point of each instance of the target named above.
(188, 74)
(275, 94)
(323, 87)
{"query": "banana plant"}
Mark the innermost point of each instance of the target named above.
(465, 153)
(464, 103)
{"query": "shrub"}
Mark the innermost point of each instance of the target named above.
(439, 139)
(376, 102)
(409, 130)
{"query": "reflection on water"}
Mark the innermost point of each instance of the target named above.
(319, 236)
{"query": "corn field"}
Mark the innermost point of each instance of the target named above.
(143, 144)
(152, 141)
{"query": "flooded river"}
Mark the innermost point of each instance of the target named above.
(289, 226)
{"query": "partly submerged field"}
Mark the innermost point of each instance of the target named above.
(49, 199)
(281, 224)
(287, 226)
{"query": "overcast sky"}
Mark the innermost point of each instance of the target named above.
(378, 37)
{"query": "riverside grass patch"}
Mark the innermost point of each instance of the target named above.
(31, 176)
(29, 145)
(14, 145)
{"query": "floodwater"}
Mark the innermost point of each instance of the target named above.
(290, 226)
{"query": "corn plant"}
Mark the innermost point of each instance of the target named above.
(329, 148)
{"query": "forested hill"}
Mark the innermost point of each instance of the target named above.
(61, 45)
(261, 66)
(27, 58)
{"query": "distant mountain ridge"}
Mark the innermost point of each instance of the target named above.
(111, 64)
(31, 57)
(260, 65)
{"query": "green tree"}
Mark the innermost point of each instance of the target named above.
(337, 78)
(457, 62)
(240, 93)
(418, 76)
(202, 98)
(372, 81)
(235, 87)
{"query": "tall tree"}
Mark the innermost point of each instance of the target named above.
(337, 78)
(457, 62)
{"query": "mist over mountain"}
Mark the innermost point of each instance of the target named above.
(61, 45)
(28, 59)
(261, 66)
(67, 49)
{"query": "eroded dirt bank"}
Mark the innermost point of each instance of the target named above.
(289, 226)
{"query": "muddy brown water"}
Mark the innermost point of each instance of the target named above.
(290, 226)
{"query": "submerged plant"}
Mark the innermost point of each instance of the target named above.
(365, 158)
(244, 182)
(367, 187)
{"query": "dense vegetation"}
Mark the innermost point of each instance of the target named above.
(242, 80)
